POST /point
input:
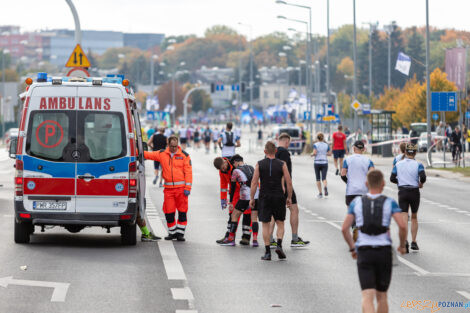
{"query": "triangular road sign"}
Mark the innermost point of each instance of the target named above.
(78, 58)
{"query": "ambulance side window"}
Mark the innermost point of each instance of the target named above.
(103, 134)
(48, 134)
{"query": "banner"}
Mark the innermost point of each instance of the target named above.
(456, 60)
(403, 63)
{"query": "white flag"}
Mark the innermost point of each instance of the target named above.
(403, 63)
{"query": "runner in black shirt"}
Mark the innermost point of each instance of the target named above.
(284, 155)
(272, 203)
(157, 142)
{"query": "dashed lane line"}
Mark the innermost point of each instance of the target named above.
(464, 294)
(182, 293)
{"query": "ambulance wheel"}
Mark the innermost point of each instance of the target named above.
(22, 232)
(128, 235)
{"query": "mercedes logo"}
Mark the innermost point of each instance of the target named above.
(76, 155)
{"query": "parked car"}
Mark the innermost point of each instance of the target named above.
(9, 135)
(423, 141)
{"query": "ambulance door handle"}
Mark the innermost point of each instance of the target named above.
(86, 177)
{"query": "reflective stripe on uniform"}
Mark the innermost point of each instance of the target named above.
(174, 183)
(189, 184)
(223, 190)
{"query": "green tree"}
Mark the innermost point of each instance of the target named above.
(220, 29)
(200, 101)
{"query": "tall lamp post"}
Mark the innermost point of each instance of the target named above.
(389, 30)
(309, 34)
(2, 104)
(308, 58)
(428, 81)
(355, 63)
(152, 70)
(372, 28)
(251, 83)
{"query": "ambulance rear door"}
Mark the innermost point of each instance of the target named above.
(103, 170)
(48, 142)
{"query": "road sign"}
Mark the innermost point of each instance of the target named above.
(356, 105)
(78, 72)
(324, 119)
(78, 58)
(58, 295)
(467, 114)
(435, 116)
(306, 116)
(444, 101)
(366, 108)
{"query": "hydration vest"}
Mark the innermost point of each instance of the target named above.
(372, 212)
(229, 139)
(248, 170)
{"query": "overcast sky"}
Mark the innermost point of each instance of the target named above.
(176, 17)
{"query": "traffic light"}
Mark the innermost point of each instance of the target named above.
(243, 87)
(212, 87)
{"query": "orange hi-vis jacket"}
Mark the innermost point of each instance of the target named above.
(225, 184)
(177, 171)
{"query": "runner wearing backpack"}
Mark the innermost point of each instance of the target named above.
(228, 141)
(242, 176)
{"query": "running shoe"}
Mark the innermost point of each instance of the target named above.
(280, 253)
(337, 172)
(149, 237)
(245, 241)
(266, 257)
(219, 241)
(255, 243)
(228, 242)
(170, 237)
(299, 243)
(414, 246)
(319, 196)
(326, 192)
(273, 244)
(180, 237)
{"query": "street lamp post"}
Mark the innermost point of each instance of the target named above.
(355, 63)
(428, 81)
(251, 83)
(78, 32)
(372, 28)
(2, 104)
(328, 90)
(308, 82)
(389, 31)
(307, 57)
(152, 69)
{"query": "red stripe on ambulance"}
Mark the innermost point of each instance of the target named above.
(102, 187)
(50, 186)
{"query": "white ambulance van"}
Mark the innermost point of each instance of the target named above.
(79, 157)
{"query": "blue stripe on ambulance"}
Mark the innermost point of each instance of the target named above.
(99, 169)
(55, 169)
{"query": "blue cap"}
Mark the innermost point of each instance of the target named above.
(42, 77)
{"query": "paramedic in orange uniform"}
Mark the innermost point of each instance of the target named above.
(178, 176)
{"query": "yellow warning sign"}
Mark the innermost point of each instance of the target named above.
(356, 105)
(78, 58)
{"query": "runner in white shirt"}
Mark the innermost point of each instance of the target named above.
(228, 142)
(321, 151)
(183, 137)
(215, 138)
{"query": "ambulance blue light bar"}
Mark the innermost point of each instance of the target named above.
(42, 77)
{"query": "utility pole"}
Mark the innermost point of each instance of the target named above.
(355, 64)
(327, 51)
(428, 82)
(372, 28)
(389, 30)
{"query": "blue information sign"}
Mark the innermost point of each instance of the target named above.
(444, 101)
(467, 114)
(306, 116)
(435, 116)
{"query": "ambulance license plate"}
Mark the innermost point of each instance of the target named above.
(50, 205)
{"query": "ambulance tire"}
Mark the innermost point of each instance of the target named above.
(23, 231)
(128, 235)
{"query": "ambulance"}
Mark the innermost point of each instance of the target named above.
(78, 157)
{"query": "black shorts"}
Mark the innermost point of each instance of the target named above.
(156, 165)
(374, 266)
(243, 205)
(320, 171)
(207, 140)
(350, 198)
(272, 206)
(338, 154)
(294, 196)
(183, 140)
(409, 198)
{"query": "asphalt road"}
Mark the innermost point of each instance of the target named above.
(199, 276)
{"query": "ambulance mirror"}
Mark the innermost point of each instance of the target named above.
(13, 144)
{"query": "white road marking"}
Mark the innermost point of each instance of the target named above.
(333, 224)
(314, 214)
(464, 294)
(186, 311)
(182, 293)
(443, 205)
(413, 266)
(58, 295)
(462, 211)
(321, 218)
